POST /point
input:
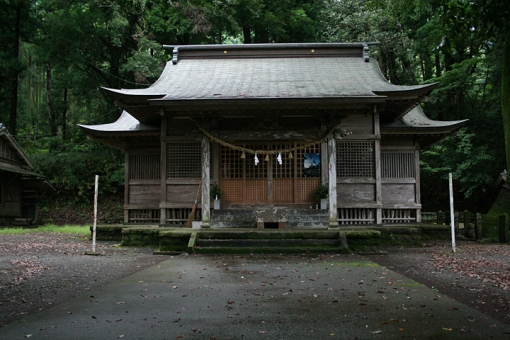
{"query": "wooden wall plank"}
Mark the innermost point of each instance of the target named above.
(356, 193)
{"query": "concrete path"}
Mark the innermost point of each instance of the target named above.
(261, 297)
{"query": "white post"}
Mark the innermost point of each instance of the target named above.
(95, 215)
(452, 214)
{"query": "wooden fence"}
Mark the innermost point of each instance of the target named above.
(472, 225)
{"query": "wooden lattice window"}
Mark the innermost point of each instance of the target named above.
(398, 215)
(351, 216)
(231, 163)
(396, 164)
(259, 170)
(184, 160)
(143, 216)
(286, 169)
(144, 166)
(308, 161)
(355, 159)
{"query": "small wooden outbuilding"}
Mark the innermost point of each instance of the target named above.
(268, 124)
(19, 185)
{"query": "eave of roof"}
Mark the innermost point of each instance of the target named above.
(126, 124)
(20, 171)
(416, 123)
(114, 134)
(14, 143)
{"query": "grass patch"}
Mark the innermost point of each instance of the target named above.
(68, 229)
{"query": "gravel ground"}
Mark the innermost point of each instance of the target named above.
(40, 270)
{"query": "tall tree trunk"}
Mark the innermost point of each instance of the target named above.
(13, 117)
(382, 63)
(246, 34)
(392, 66)
(51, 106)
(438, 65)
(505, 97)
(64, 114)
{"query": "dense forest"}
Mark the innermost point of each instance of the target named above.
(55, 55)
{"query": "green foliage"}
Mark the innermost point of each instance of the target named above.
(215, 191)
(321, 192)
(471, 167)
(71, 168)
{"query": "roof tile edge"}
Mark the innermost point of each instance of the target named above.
(270, 50)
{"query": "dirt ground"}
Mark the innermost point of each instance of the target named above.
(478, 275)
(40, 270)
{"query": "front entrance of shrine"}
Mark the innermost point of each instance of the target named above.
(286, 179)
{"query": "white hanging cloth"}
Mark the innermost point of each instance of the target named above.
(279, 158)
(256, 160)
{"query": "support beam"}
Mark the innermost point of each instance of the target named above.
(377, 161)
(206, 183)
(333, 211)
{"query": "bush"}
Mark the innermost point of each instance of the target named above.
(72, 173)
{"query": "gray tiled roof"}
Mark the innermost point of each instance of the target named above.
(259, 78)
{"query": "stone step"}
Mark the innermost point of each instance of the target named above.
(268, 234)
(270, 250)
(268, 242)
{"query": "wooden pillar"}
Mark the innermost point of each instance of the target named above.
(417, 182)
(478, 226)
(324, 161)
(126, 187)
(163, 198)
(269, 178)
(377, 155)
(206, 183)
(332, 198)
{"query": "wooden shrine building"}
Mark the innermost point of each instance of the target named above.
(268, 124)
(20, 186)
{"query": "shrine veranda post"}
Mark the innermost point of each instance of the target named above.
(312, 114)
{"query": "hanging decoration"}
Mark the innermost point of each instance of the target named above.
(341, 133)
(279, 158)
